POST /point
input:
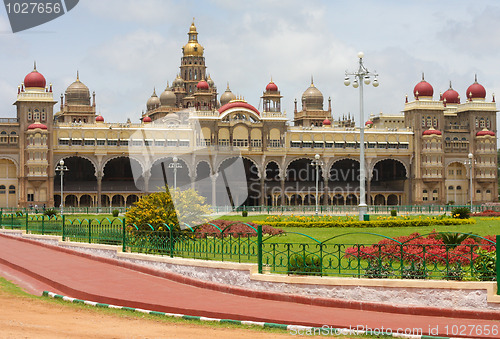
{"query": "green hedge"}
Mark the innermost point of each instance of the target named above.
(376, 223)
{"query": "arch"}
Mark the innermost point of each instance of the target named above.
(86, 201)
(79, 177)
(137, 160)
(379, 200)
(392, 159)
(180, 176)
(229, 187)
(118, 174)
(392, 200)
(117, 200)
(351, 199)
(242, 157)
(272, 171)
(131, 199)
(65, 157)
(345, 170)
(70, 201)
(301, 169)
(338, 199)
(12, 159)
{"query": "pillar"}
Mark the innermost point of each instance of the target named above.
(214, 189)
(99, 189)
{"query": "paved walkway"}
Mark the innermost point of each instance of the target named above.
(81, 276)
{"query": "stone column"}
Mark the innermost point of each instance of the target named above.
(214, 189)
(99, 189)
(263, 201)
(283, 201)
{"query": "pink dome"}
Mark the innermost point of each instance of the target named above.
(451, 96)
(37, 125)
(432, 131)
(34, 79)
(476, 91)
(99, 118)
(423, 89)
(272, 87)
(327, 122)
(369, 122)
(146, 119)
(238, 104)
(485, 132)
(203, 85)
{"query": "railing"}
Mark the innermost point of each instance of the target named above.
(445, 255)
(67, 210)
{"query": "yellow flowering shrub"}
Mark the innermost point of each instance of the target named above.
(154, 209)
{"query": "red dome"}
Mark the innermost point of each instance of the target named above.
(451, 96)
(326, 122)
(34, 79)
(423, 89)
(369, 122)
(485, 132)
(271, 87)
(99, 118)
(37, 125)
(203, 85)
(476, 91)
(432, 131)
(239, 104)
(146, 119)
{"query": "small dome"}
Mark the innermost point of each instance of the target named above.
(203, 85)
(153, 102)
(227, 96)
(313, 98)
(327, 122)
(37, 125)
(476, 91)
(34, 79)
(99, 118)
(168, 98)
(451, 96)
(178, 82)
(369, 123)
(210, 82)
(271, 87)
(146, 119)
(485, 132)
(423, 89)
(432, 131)
(77, 93)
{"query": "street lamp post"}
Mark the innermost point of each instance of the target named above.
(175, 165)
(360, 76)
(317, 163)
(61, 169)
(470, 161)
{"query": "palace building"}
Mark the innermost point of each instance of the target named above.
(418, 157)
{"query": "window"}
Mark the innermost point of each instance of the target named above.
(224, 142)
(183, 143)
(459, 188)
(478, 191)
(12, 189)
(258, 143)
(160, 143)
(2, 189)
(30, 115)
(89, 142)
(136, 142)
(329, 144)
(318, 144)
(350, 144)
(101, 142)
(36, 115)
(403, 145)
(112, 142)
(124, 143)
(172, 143)
(31, 197)
(64, 142)
(43, 115)
(240, 142)
(295, 144)
(450, 188)
(488, 191)
(306, 144)
(76, 142)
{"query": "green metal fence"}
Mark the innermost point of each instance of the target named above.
(446, 255)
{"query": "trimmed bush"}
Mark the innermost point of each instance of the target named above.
(311, 265)
(376, 223)
(115, 213)
(244, 214)
(394, 213)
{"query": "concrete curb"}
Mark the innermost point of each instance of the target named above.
(293, 329)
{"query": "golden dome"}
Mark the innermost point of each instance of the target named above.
(193, 48)
(77, 93)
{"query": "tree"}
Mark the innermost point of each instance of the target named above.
(183, 207)
(190, 207)
(154, 209)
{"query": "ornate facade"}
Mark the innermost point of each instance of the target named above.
(415, 158)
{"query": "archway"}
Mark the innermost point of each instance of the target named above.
(131, 199)
(231, 183)
(203, 182)
(175, 177)
(388, 176)
(379, 200)
(119, 176)
(392, 200)
(344, 176)
(70, 201)
(117, 201)
(85, 200)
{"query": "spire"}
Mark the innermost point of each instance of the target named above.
(312, 81)
(154, 92)
(34, 66)
(450, 85)
(227, 89)
(475, 78)
(423, 77)
(77, 76)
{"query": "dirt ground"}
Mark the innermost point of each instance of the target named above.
(23, 317)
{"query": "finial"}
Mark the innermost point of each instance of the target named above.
(493, 97)
(312, 81)
(450, 85)
(227, 89)
(77, 75)
(193, 20)
(423, 78)
(406, 100)
(475, 78)
(154, 92)
(34, 66)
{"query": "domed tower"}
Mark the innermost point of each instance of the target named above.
(76, 106)
(193, 67)
(35, 104)
(312, 113)
(153, 102)
(271, 99)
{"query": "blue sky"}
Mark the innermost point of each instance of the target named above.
(124, 48)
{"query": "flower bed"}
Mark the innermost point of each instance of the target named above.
(377, 223)
(233, 228)
(487, 213)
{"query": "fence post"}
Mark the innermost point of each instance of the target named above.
(43, 225)
(90, 231)
(259, 247)
(63, 229)
(498, 263)
(12, 220)
(124, 237)
(171, 242)
(26, 222)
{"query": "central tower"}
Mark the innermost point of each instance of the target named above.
(193, 67)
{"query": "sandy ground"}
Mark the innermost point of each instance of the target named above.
(23, 317)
